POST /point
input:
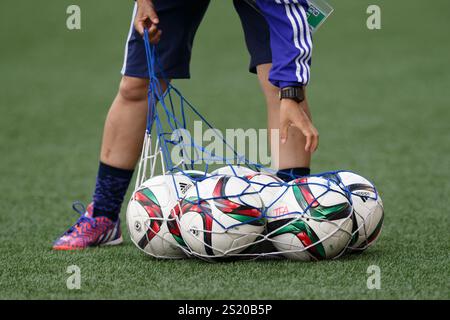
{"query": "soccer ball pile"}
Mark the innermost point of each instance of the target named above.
(237, 212)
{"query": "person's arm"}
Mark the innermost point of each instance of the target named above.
(146, 17)
(291, 44)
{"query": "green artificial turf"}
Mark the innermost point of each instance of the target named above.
(380, 100)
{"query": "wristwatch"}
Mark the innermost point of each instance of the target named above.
(295, 93)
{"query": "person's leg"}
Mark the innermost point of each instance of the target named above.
(292, 154)
(126, 120)
(121, 147)
(122, 142)
(290, 158)
(125, 124)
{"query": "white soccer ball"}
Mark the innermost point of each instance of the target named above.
(266, 185)
(368, 212)
(194, 174)
(311, 220)
(150, 221)
(230, 170)
(221, 216)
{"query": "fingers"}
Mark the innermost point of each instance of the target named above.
(154, 34)
(312, 139)
(309, 142)
(293, 114)
(152, 15)
(157, 37)
(152, 30)
(310, 132)
(315, 145)
(139, 26)
(147, 18)
(284, 132)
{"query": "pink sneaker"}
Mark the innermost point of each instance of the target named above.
(89, 231)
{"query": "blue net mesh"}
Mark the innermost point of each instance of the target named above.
(241, 210)
(170, 120)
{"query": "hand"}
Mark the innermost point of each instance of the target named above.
(146, 17)
(294, 114)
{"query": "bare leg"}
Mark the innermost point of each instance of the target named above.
(122, 142)
(125, 124)
(292, 154)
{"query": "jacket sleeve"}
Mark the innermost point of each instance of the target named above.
(290, 41)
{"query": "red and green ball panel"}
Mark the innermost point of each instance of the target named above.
(240, 212)
(147, 199)
(202, 207)
(303, 232)
(306, 199)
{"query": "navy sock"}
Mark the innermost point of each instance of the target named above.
(292, 173)
(110, 189)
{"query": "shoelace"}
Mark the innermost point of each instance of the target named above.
(80, 208)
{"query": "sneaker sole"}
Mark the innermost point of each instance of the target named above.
(110, 243)
(113, 242)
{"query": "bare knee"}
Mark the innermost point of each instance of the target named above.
(133, 89)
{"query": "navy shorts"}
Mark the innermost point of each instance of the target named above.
(179, 21)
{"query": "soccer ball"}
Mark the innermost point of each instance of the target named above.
(194, 174)
(149, 215)
(311, 220)
(368, 212)
(230, 170)
(266, 185)
(221, 216)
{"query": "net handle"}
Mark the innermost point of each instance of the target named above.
(154, 88)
